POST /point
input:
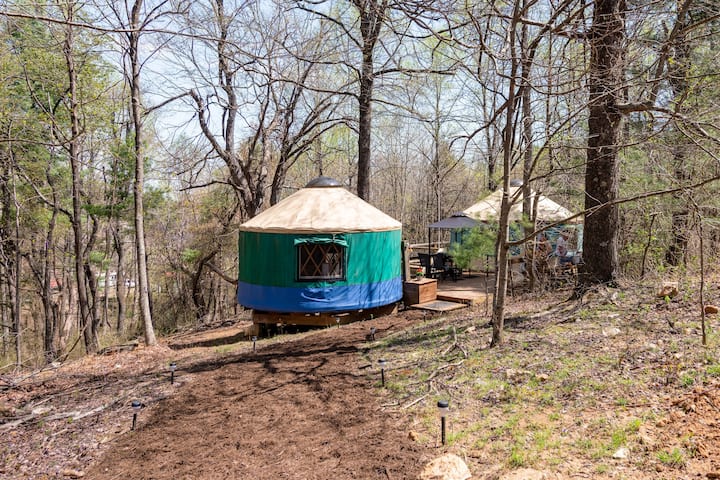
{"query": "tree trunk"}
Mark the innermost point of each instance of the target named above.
(678, 71)
(527, 145)
(6, 249)
(86, 321)
(600, 243)
(17, 327)
(120, 289)
(51, 324)
(502, 248)
(372, 15)
(4, 314)
(501, 269)
(365, 127)
(143, 287)
(91, 279)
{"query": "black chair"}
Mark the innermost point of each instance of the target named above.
(443, 264)
(428, 264)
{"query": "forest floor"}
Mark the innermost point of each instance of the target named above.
(616, 386)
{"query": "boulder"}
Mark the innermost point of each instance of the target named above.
(611, 332)
(621, 453)
(668, 289)
(446, 467)
(68, 472)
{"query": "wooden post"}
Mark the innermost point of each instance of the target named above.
(406, 261)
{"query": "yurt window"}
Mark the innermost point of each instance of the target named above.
(321, 261)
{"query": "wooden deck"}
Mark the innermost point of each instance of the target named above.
(471, 290)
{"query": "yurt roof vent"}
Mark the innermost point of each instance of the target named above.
(323, 182)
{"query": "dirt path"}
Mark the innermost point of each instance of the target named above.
(301, 409)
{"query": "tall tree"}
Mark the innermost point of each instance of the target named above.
(369, 57)
(133, 21)
(605, 84)
(679, 62)
(372, 15)
(133, 37)
(72, 142)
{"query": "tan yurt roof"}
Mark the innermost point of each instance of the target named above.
(322, 206)
(488, 208)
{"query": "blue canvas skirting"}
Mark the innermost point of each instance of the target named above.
(327, 298)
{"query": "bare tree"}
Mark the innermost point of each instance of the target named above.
(374, 58)
(87, 320)
(10, 254)
(606, 79)
(510, 55)
(133, 38)
(262, 94)
(133, 21)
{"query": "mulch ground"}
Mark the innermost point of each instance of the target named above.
(305, 408)
(310, 405)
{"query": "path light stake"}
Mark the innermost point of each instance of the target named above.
(173, 366)
(372, 333)
(254, 339)
(136, 406)
(382, 363)
(337, 320)
(443, 410)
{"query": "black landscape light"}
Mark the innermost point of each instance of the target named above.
(173, 367)
(136, 406)
(443, 410)
(254, 339)
(372, 333)
(382, 364)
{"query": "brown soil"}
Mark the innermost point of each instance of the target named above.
(306, 407)
(310, 405)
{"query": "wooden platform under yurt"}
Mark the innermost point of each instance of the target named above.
(321, 319)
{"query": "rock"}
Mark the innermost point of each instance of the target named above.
(413, 436)
(73, 473)
(711, 309)
(542, 377)
(525, 474)
(611, 331)
(621, 453)
(41, 410)
(668, 289)
(446, 467)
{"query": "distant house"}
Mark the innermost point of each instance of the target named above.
(111, 279)
(320, 250)
(488, 210)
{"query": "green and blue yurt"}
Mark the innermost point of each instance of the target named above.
(322, 249)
